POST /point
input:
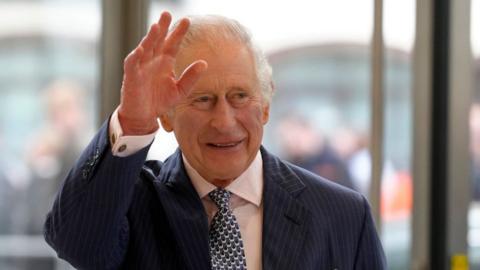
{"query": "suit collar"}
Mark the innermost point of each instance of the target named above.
(284, 176)
(285, 219)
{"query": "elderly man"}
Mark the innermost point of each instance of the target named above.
(221, 201)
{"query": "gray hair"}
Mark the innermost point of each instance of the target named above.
(228, 29)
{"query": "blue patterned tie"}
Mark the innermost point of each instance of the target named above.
(226, 246)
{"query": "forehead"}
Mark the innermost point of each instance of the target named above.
(225, 59)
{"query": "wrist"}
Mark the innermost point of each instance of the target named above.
(135, 126)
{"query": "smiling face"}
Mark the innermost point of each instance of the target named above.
(219, 126)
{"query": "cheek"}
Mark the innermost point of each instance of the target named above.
(253, 119)
(187, 128)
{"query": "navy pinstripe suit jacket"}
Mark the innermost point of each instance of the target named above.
(123, 213)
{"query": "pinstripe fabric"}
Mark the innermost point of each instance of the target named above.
(123, 213)
(312, 223)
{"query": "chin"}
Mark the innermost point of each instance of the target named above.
(222, 183)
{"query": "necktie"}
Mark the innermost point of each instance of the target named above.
(226, 246)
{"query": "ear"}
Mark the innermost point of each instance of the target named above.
(266, 106)
(265, 113)
(166, 121)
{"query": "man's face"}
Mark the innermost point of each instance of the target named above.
(219, 126)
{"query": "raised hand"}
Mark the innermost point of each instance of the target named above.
(150, 86)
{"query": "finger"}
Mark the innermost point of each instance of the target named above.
(164, 24)
(132, 60)
(148, 41)
(174, 39)
(190, 76)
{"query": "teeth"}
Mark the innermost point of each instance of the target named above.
(224, 145)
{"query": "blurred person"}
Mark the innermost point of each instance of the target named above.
(352, 147)
(221, 201)
(307, 148)
(475, 149)
(396, 188)
(55, 146)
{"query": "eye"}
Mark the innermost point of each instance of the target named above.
(203, 99)
(240, 95)
(239, 98)
(203, 102)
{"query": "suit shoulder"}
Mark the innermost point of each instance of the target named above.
(305, 183)
(327, 192)
(315, 181)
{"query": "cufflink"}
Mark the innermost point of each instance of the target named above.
(122, 148)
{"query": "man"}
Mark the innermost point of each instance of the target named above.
(221, 201)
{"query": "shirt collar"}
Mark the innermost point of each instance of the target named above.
(248, 186)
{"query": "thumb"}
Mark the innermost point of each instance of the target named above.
(190, 76)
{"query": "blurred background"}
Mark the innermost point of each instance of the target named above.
(52, 88)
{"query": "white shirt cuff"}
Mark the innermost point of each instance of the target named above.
(123, 146)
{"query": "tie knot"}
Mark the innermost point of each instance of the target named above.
(220, 197)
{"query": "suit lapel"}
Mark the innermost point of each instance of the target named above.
(285, 219)
(185, 212)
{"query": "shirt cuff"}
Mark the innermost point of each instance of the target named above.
(123, 146)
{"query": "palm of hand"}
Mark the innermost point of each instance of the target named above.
(150, 87)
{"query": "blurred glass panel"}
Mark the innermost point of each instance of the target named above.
(474, 211)
(397, 193)
(48, 88)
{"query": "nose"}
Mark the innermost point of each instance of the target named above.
(223, 116)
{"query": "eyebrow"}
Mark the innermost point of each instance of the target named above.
(199, 93)
(237, 88)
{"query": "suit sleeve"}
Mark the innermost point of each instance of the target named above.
(370, 254)
(87, 225)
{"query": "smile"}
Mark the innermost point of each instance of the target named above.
(224, 145)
